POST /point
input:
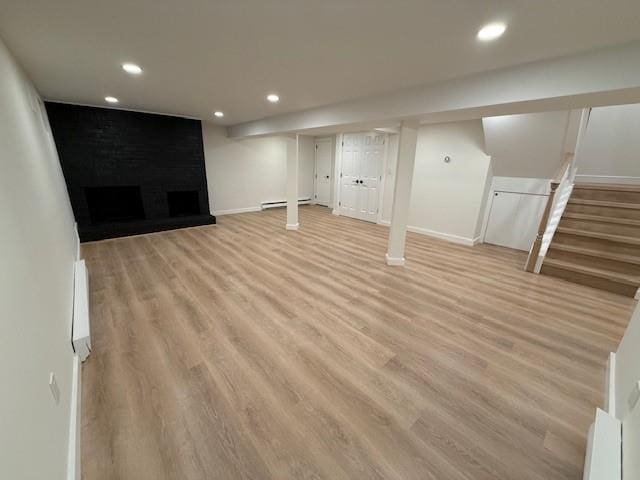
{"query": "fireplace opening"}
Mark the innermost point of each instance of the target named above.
(114, 204)
(183, 203)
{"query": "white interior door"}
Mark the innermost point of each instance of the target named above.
(370, 176)
(349, 177)
(514, 219)
(323, 171)
(362, 160)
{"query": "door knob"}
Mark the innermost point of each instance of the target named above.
(327, 176)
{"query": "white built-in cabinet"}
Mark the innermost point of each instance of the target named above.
(514, 219)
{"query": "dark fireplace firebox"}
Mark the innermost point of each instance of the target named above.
(114, 204)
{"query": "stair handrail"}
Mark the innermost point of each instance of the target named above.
(564, 176)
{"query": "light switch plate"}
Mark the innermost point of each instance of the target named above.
(53, 386)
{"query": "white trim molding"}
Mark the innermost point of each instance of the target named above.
(610, 386)
(293, 226)
(620, 180)
(394, 262)
(470, 242)
(75, 423)
(233, 211)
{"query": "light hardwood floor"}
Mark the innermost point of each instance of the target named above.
(242, 351)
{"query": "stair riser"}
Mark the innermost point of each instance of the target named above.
(603, 227)
(589, 280)
(596, 244)
(606, 195)
(604, 211)
(594, 262)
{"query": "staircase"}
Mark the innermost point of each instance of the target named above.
(597, 242)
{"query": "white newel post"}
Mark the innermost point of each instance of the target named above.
(402, 192)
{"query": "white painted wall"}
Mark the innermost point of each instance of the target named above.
(38, 246)
(241, 174)
(528, 145)
(446, 198)
(611, 144)
(628, 364)
(627, 375)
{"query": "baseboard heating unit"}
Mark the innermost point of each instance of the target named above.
(283, 203)
(81, 332)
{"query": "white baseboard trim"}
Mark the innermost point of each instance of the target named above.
(470, 242)
(610, 386)
(293, 226)
(623, 180)
(232, 211)
(335, 212)
(73, 455)
(394, 262)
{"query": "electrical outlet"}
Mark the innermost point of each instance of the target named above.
(53, 386)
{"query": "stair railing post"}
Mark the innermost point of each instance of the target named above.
(537, 244)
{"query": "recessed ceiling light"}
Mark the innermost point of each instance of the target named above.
(273, 98)
(218, 114)
(491, 31)
(111, 99)
(132, 68)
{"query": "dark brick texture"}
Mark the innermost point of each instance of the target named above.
(101, 147)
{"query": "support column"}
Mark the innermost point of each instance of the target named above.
(293, 152)
(402, 192)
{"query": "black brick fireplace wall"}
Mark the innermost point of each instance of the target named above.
(100, 147)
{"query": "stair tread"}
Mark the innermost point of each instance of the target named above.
(596, 272)
(619, 257)
(607, 186)
(603, 203)
(600, 235)
(601, 218)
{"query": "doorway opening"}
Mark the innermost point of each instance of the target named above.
(323, 172)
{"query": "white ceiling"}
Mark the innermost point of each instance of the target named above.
(204, 55)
